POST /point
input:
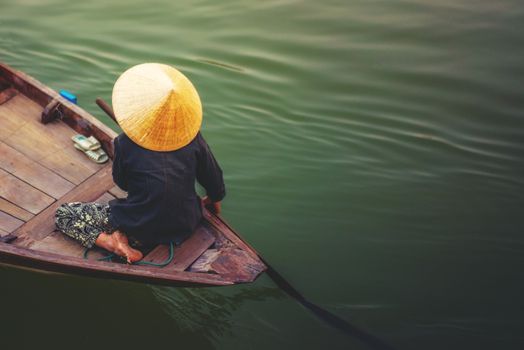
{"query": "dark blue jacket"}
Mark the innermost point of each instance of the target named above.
(162, 204)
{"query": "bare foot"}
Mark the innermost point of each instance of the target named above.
(117, 243)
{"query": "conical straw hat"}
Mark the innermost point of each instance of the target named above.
(157, 107)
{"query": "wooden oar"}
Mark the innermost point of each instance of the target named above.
(106, 108)
(328, 317)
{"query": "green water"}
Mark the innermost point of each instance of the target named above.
(372, 152)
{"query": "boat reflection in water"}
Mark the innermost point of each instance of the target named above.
(209, 312)
(197, 316)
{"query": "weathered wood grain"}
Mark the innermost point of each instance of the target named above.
(13, 254)
(20, 193)
(66, 166)
(186, 253)
(43, 224)
(9, 223)
(9, 123)
(40, 146)
(74, 116)
(237, 265)
(203, 263)
(220, 226)
(7, 94)
(158, 255)
(58, 131)
(32, 172)
(192, 248)
(15, 210)
(54, 136)
(59, 243)
(231, 263)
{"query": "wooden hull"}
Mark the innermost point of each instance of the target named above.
(40, 170)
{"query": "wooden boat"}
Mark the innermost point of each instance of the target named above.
(40, 170)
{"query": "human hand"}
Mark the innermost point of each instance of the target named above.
(214, 207)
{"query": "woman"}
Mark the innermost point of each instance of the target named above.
(157, 160)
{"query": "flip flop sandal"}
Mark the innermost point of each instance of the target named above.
(95, 144)
(86, 143)
(97, 156)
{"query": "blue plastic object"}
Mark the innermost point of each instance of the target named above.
(68, 96)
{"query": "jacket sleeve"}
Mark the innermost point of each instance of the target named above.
(209, 174)
(119, 175)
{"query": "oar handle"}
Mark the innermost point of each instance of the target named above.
(106, 108)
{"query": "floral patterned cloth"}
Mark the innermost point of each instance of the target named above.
(83, 221)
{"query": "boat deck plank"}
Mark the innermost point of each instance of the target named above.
(15, 210)
(22, 194)
(237, 265)
(9, 223)
(186, 253)
(8, 123)
(43, 224)
(58, 243)
(159, 254)
(7, 94)
(67, 166)
(49, 144)
(42, 149)
(221, 226)
(32, 172)
(192, 248)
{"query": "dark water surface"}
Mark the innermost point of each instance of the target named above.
(373, 152)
